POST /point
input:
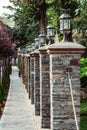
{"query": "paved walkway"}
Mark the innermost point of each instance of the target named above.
(18, 113)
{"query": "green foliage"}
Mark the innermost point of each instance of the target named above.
(83, 72)
(65, 6)
(83, 63)
(52, 17)
(28, 15)
(1, 92)
(26, 28)
(83, 110)
(81, 16)
(6, 77)
(83, 123)
(83, 107)
(8, 72)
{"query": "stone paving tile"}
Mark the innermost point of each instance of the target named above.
(19, 113)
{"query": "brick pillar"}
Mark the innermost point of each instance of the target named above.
(45, 88)
(19, 64)
(37, 82)
(24, 70)
(27, 72)
(22, 66)
(64, 57)
(32, 78)
(29, 76)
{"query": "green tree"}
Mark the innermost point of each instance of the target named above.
(83, 72)
(81, 17)
(30, 20)
(32, 17)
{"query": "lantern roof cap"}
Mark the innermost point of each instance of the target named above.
(42, 35)
(36, 39)
(50, 26)
(64, 16)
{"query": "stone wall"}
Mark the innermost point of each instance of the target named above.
(29, 76)
(45, 89)
(61, 103)
(37, 83)
(32, 79)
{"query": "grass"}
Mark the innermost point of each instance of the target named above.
(83, 111)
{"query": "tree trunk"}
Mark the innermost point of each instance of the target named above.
(69, 37)
(43, 9)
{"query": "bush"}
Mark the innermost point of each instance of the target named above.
(6, 76)
(83, 106)
(83, 123)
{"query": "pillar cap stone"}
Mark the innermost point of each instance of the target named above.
(66, 47)
(27, 55)
(34, 53)
(22, 55)
(43, 50)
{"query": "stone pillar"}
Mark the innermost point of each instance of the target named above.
(19, 64)
(45, 88)
(27, 72)
(32, 78)
(24, 70)
(64, 62)
(22, 64)
(29, 76)
(37, 82)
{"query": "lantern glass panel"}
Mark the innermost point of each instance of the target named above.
(41, 38)
(66, 24)
(61, 24)
(33, 46)
(36, 41)
(50, 32)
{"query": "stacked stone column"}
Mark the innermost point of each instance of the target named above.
(22, 62)
(44, 88)
(37, 82)
(64, 64)
(24, 69)
(27, 72)
(29, 76)
(32, 78)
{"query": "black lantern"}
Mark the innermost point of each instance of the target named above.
(65, 24)
(33, 46)
(42, 38)
(50, 31)
(36, 42)
(29, 49)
